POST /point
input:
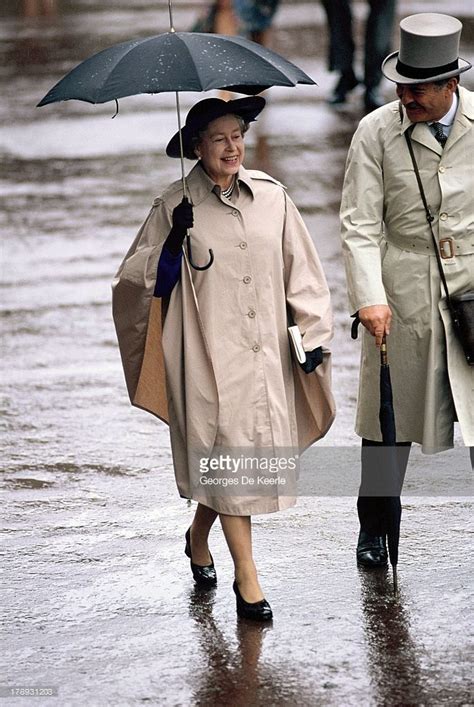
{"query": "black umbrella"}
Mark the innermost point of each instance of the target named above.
(381, 516)
(391, 505)
(176, 61)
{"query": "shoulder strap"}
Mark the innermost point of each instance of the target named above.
(429, 215)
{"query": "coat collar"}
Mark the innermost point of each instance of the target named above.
(200, 185)
(462, 123)
(464, 117)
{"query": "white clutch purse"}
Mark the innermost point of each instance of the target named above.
(296, 344)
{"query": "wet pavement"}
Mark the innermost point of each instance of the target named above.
(98, 599)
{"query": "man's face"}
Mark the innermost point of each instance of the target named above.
(425, 102)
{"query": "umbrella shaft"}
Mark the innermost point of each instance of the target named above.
(181, 151)
(170, 10)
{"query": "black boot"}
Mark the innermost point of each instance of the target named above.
(372, 100)
(371, 550)
(347, 81)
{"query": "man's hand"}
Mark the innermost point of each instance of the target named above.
(376, 320)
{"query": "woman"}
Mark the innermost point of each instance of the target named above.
(220, 338)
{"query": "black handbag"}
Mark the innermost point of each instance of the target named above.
(463, 320)
(461, 307)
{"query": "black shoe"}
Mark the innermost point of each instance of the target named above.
(258, 611)
(371, 550)
(346, 83)
(204, 575)
(372, 100)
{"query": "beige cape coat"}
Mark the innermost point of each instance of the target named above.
(223, 345)
(390, 258)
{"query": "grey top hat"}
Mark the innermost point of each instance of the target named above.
(429, 50)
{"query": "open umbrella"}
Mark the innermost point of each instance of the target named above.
(383, 517)
(176, 61)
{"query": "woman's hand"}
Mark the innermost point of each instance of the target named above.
(376, 319)
(182, 219)
(313, 359)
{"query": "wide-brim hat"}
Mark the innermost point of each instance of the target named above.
(205, 112)
(429, 50)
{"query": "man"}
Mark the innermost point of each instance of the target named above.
(393, 278)
(378, 34)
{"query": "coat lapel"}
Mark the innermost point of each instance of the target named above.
(463, 120)
(420, 133)
(423, 135)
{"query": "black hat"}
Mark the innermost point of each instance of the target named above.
(205, 112)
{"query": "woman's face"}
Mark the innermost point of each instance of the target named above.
(221, 149)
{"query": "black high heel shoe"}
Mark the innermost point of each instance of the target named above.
(204, 575)
(258, 611)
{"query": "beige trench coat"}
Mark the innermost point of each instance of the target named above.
(222, 347)
(389, 258)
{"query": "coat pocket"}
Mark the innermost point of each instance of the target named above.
(389, 264)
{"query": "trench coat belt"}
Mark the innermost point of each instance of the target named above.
(449, 247)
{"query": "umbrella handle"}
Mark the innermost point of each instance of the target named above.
(355, 326)
(190, 256)
(383, 352)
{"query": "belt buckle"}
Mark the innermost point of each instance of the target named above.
(446, 248)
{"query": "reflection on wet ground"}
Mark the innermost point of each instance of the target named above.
(98, 595)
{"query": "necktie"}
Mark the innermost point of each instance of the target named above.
(439, 134)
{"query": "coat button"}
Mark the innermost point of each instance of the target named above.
(235, 213)
(247, 279)
(442, 170)
(252, 313)
(256, 348)
(443, 216)
(243, 245)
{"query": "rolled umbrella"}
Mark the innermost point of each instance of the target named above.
(382, 516)
(391, 505)
(174, 62)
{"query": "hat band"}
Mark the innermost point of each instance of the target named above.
(414, 72)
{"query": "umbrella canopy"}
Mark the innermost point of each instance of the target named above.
(176, 61)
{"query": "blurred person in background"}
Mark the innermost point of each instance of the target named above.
(255, 18)
(378, 35)
(250, 18)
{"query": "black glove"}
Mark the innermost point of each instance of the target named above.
(313, 359)
(182, 219)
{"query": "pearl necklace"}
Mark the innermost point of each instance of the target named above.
(228, 192)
